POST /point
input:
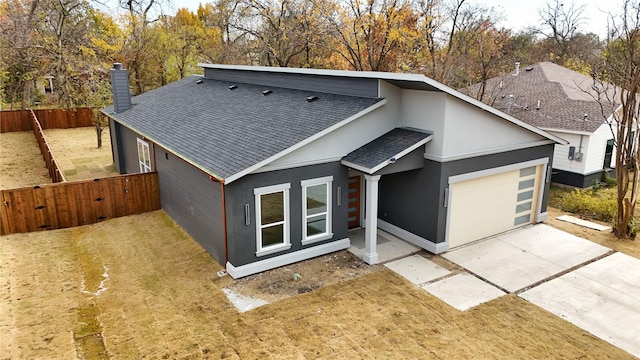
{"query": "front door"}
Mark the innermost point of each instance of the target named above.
(354, 202)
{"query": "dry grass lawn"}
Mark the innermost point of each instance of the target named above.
(140, 287)
(77, 153)
(21, 163)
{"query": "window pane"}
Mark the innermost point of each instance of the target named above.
(522, 219)
(523, 207)
(525, 195)
(316, 199)
(316, 225)
(525, 184)
(272, 208)
(527, 171)
(272, 235)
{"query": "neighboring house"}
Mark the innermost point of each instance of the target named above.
(269, 166)
(561, 102)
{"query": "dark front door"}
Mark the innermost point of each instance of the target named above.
(354, 202)
(608, 153)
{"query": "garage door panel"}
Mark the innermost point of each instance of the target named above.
(491, 204)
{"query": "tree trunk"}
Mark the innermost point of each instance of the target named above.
(99, 135)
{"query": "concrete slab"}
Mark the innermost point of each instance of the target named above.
(556, 246)
(523, 257)
(389, 247)
(417, 269)
(583, 223)
(601, 298)
(463, 291)
(503, 264)
(243, 303)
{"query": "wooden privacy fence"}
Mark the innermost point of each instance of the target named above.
(69, 204)
(52, 165)
(20, 120)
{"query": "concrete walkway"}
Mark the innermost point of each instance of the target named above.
(586, 284)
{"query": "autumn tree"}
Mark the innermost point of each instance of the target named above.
(560, 24)
(617, 83)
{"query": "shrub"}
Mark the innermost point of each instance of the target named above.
(588, 203)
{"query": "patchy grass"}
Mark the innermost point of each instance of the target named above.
(21, 163)
(595, 204)
(163, 299)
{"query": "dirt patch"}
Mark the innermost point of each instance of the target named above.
(77, 153)
(21, 163)
(163, 299)
(604, 238)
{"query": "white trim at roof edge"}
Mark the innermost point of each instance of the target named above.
(390, 76)
(293, 165)
(306, 141)
(487, 152)
(169, 149)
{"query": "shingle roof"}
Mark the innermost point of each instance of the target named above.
(393, 145)
(564, 97)
(225, 132)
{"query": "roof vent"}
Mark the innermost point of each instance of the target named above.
(538, 105)
(267, 92)
(233, 87)
(199, 81)
(517, 69)
(312, 98)
(529, 68)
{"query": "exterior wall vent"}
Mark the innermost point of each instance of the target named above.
(312, 98)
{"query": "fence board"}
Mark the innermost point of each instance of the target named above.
(19, 120)
(69, 204)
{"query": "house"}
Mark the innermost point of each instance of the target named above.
(561, 102)
(269, 166)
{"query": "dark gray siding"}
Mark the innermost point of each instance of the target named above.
(579, 180)
(241, 238)
(414, 200)
(193, 201)
(116, 144)
(326, 84)
(127, 150)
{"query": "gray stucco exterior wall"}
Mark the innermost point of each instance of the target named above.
(193, 201)
(241, 238)
(327, 84)
(414, 200)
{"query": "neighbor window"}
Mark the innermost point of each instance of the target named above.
(316, 209)
(144, 156)
(272, 219)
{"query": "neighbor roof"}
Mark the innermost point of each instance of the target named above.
(386, 149)
(564, 97)
(228, 133)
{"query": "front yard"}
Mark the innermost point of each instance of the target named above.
(139, 287)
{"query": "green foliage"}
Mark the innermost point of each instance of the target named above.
(598, 204)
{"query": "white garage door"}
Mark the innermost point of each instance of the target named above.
(489, 205)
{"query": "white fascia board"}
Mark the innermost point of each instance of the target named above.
(391, 76)
(572, 132)
(306, 141)
(356, 167)
(487, 152)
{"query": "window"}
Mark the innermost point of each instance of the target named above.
(144, 156)
(316, 210)
(272, 219)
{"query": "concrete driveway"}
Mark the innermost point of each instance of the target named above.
(589, 285)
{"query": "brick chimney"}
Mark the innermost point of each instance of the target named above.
(120, 88)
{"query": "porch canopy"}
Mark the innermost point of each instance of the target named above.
(373, 157)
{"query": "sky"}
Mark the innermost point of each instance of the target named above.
(517, 14)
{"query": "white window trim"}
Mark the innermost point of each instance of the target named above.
(145, 147)
(328, 180)
(286, 244)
